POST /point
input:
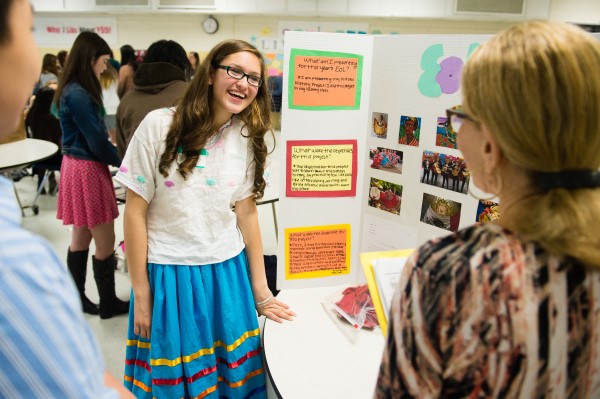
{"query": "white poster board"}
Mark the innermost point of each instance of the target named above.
(398, 80)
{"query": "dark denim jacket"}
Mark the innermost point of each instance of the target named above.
(84, 134)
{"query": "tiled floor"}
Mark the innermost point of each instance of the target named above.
(111, 333)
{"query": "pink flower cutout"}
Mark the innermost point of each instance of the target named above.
(169, 183)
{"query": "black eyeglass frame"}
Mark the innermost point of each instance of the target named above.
(457, 111)
(227, 68)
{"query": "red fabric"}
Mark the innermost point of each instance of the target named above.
(357, 300)
(86, 195)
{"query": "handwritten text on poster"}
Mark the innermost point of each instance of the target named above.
(321, 168)
(321, 80)
(318, 251)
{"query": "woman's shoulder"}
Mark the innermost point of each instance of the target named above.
(486, 240)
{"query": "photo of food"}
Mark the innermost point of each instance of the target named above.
(487, 211)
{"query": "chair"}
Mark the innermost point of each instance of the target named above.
(42, 125)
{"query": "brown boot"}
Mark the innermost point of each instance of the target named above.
(104, 274)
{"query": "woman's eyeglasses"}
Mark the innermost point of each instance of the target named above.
(456, 117)
(238, 74)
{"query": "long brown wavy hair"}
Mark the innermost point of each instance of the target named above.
(193, 123)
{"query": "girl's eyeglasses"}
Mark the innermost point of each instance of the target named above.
(238, 74)
(456, 117)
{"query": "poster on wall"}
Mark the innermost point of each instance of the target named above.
(412, 183)
(61, 32)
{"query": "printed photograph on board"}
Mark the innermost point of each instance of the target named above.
(410, 130)
(385, 196)
(487, 211)
(380, 125)
(445, 137)
(440, 212)
(446, 171)
(386, 159)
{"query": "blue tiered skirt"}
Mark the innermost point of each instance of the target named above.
(205, 341)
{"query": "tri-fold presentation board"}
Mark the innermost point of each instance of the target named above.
(368, 161)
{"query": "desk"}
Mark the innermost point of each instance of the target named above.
(23, 153)
(318, 355)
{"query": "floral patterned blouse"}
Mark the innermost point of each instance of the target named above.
(481, 314)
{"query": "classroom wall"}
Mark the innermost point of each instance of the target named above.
(141, 29)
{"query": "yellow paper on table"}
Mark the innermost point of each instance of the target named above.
(367, 259)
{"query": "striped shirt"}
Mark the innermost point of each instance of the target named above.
(47, 349)
(481, 314)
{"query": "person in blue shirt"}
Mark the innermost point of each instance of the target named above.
(47, 349)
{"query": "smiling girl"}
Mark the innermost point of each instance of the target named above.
(194, 247)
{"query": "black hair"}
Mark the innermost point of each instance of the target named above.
(168, 51)
(127, 55)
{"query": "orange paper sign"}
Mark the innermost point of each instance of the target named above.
(324, 80)
(317, 251)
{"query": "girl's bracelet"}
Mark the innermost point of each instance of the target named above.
(265, 302)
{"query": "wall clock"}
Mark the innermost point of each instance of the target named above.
(210, 25)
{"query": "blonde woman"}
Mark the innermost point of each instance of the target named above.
(511, 308)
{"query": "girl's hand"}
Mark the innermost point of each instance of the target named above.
(142, 315)
(275, 310)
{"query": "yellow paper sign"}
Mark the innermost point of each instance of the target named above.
(317, 251)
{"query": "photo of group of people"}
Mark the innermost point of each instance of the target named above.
(445, 171)
(445, 137)
(410, 130)
(386, 159)
(385, 196)
(380, 125)
(440, 212)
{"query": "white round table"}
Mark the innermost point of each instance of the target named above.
(318, 355)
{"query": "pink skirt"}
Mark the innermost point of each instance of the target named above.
(86, 195)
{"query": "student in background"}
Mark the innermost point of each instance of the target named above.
(49, 74)
(62, 58)
(159, 81)
(510, 308)
(194, 59)
(196, 265)
(127, 69)
(46, 345)
(109, 81)
(86, 196)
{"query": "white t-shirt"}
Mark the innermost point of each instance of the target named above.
(190, 222)
(110, 99)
